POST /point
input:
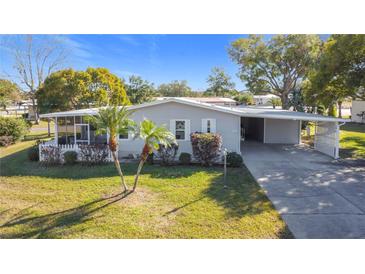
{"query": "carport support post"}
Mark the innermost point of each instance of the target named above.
(225, 166)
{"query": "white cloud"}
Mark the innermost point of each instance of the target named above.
(129, 40)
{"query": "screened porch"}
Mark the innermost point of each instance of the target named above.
(72, 130)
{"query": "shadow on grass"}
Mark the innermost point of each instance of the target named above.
(352, 151)
(241, 196)
(354, 127)
(40, 136)
(45, 226)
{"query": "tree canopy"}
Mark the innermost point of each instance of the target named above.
(220, 84)
(9, 93)
(69, 89)
(175, 89)
(340, 72)
(139, 91)
(276, 66)
(245, 98)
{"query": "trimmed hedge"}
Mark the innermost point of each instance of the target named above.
(234, 159)
(185, 158)
(70, 157)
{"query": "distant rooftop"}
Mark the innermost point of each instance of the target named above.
(211, 100)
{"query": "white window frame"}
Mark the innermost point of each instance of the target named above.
(187, 128)
(213, 125)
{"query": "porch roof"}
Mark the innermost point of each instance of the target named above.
(253, 112)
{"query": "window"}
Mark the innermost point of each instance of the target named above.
(124, 136)
(208, 125)
(181, 129)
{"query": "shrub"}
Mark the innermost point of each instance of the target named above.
(94, 154)
(150, 159)
(33, 154)
(51, 155)
(167, 154)
(206, 147)
(185, 158)
(70, 157)
(234, 159)
(13, 127)
(6, 141)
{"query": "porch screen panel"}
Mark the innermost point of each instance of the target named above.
(326, 138)
(66, 134)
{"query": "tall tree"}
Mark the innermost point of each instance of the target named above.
(276, 66)
(107, 88)
(340, 73)
(69, 89)
(9, 93)
(153, 136)
(36, 57)
(114, 121)
(175, 89)
(139, 91)
(220, 84)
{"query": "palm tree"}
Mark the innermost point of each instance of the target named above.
(113, 120)
(153, 136)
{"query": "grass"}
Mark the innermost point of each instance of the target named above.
(171, 202)
(352, 140)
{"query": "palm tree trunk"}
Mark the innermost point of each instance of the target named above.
(117, 165)
(141, 163)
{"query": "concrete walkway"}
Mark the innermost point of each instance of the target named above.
(317, 196)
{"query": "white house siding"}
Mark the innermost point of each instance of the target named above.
(357, 108)
(228, 125)
(278, 131)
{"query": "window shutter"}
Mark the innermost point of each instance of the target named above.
(172, 126)
(187, 129)
(213, 126)
(204, 125)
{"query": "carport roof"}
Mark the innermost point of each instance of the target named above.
(239, 111)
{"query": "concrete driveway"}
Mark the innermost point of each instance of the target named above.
(317, 196)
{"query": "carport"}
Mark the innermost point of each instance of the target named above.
(269, 126)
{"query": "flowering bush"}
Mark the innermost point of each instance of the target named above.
(167, 154)
(206, 147)
(51, 155)
(93, 154)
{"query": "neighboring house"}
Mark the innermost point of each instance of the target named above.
(264, 100)
(21, 108)
(184, 116)
(358, 111)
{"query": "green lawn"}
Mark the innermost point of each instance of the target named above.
(352, 141)
(171, 202)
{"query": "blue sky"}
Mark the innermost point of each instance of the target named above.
(156, 58)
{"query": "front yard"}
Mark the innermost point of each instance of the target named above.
(171, 202)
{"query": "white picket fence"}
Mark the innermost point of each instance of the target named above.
(65, 148)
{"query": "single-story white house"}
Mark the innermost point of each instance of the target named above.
(184, 116)
(264, 100)
(358, 111)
